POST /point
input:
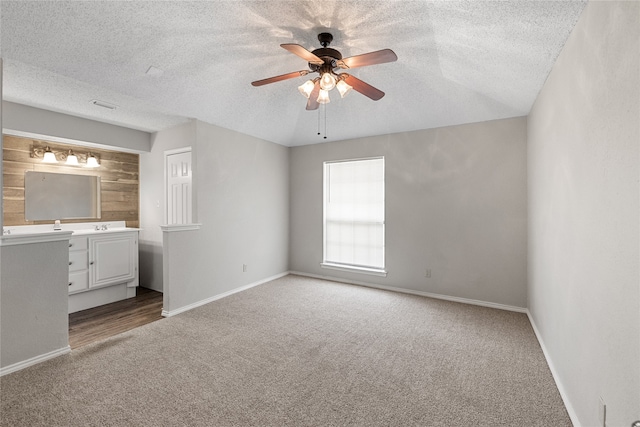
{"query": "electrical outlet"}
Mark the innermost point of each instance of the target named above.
(602, 412)
(244, 268)
(427, 273)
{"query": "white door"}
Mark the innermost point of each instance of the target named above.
(179, 187)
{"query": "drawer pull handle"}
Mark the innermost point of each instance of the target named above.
(70, 262)
(91, 263)
(70, 283)
(70, 244)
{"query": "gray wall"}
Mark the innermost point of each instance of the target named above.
(1, 143)
(50, 124)
(242, 191)
(33, 300)
(583, 157)
(152, 199)
(455, 203)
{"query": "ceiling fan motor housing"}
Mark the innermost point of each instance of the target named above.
(328, 55)
(325, 39)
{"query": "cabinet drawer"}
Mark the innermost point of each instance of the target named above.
(78, 281)
(78, 244)
(78, 261)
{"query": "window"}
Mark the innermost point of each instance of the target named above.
(354, 215)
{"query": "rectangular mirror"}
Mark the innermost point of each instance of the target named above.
(51, 196)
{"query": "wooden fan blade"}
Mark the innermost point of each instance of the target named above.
(303, 53)
(364, 88)
(280, 78)
(312, 102)
(371, 58)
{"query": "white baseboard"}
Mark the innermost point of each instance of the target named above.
(166, 313)
(419, 293)
(34, 360)
(554, 373)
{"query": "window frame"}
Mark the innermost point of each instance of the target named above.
(353, 268)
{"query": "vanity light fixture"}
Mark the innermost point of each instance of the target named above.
(72, 159)
(49, 156)
(69, 157)
(92, 162)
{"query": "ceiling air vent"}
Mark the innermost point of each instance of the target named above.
(103, 104)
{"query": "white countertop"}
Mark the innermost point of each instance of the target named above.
(23, 234)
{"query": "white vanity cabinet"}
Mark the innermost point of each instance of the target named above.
(103, 268)
(103, 259)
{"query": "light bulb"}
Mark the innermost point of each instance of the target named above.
(327, 81)
(323, 97)
(72, 159)
(92, 162)
(306, 88)
(343, 87)
(49, 156)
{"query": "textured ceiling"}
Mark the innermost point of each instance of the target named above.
(458, 61)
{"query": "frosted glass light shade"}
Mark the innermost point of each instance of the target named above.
(49, 156)
(92, 162)
(72, 159)
(344, 88)
(323, 97)
(306, 88)
(327, 81)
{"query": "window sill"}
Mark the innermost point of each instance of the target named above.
(354, 269)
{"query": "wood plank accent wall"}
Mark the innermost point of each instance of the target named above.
(119, 173)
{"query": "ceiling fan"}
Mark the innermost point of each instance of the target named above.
(325, 61)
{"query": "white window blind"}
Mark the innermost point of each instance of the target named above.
(354, 213)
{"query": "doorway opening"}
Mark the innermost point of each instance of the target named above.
(98, 323)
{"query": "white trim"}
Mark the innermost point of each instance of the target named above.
(565, 398)
(34, 360)
(170, 228)
(177, 151)
(171, 313)
(419, 293)
(24, 239)
(356, 159)
(354, 269)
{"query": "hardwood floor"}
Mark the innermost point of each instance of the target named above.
(98, 323)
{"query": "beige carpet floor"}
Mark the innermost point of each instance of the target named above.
(300, 352)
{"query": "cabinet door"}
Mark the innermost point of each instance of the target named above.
(112, 259)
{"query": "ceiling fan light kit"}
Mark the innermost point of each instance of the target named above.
(306, 88)
(343, 88)
(325, 61)
(323, 97)
(327, 81)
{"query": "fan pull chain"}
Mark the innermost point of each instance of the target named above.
(325, 120)
(323, 108)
